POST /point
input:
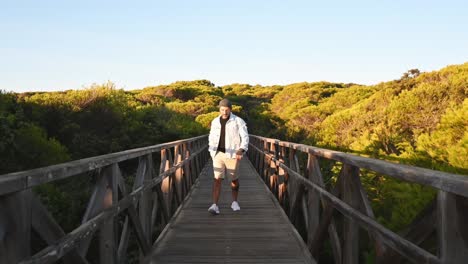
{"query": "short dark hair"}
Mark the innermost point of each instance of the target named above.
(225, 103)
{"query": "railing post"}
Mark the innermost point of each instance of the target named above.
(266, 163)
(314, 175)
(15, 226)
(351, 195)
(166, 185)
(146, 199)
(452, 230)
(107, 233)
(295, 189)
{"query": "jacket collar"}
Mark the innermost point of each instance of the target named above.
(231, 117)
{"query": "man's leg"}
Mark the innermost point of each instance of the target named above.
(232, 166)
(216, 190)
(219, 171)
(235, 189)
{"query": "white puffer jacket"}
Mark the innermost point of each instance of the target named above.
(236, 136)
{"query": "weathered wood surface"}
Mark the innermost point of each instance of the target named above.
(448, 182)
(259, 233)
(17, 181)
(141, 210)
(350, 199)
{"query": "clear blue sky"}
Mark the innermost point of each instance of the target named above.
(59, 45)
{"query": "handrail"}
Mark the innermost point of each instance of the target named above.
(157, 191)
(17, 181)
(449, 182)
(66, 243)
(278, 164)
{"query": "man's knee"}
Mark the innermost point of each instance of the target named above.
(235, 185)
(218, 181)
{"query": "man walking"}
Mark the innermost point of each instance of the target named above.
(228, 141)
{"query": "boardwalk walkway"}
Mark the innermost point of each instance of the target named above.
(259, 233)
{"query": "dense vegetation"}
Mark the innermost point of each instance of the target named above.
(419, 119)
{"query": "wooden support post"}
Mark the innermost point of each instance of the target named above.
(313, 199)
(166, 185)
(273, 178)
(326, 221)
(107, 234)
(452, 230)
(95, 205)
(141, 236)
(351, 195)
(146, 200)
(179, 175)
(15, 226)
(125, 235)
(294, 188)
(187, 173)
(283, 178)
(266, 162)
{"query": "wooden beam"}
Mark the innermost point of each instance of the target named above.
(137, 227)
(315, 242)
(45, 225)
(95, 205)
(420, 229)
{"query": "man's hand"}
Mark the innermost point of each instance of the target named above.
(239, 154)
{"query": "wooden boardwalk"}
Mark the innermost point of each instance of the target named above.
(259, 233)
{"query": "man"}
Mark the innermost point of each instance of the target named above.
(228, 141)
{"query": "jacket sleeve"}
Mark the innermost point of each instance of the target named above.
(211, 137)
(244, 135)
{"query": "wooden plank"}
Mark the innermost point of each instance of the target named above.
(13, 182)
(451, 228)
(15, 226)
(259, 233)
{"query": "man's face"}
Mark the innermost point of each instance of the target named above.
(224, 111)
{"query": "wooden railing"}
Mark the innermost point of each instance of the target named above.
(301, 190)
(160, 185)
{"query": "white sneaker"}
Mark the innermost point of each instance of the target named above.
(235, 206)
(213, 209)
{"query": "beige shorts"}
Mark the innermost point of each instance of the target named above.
(223, 165)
